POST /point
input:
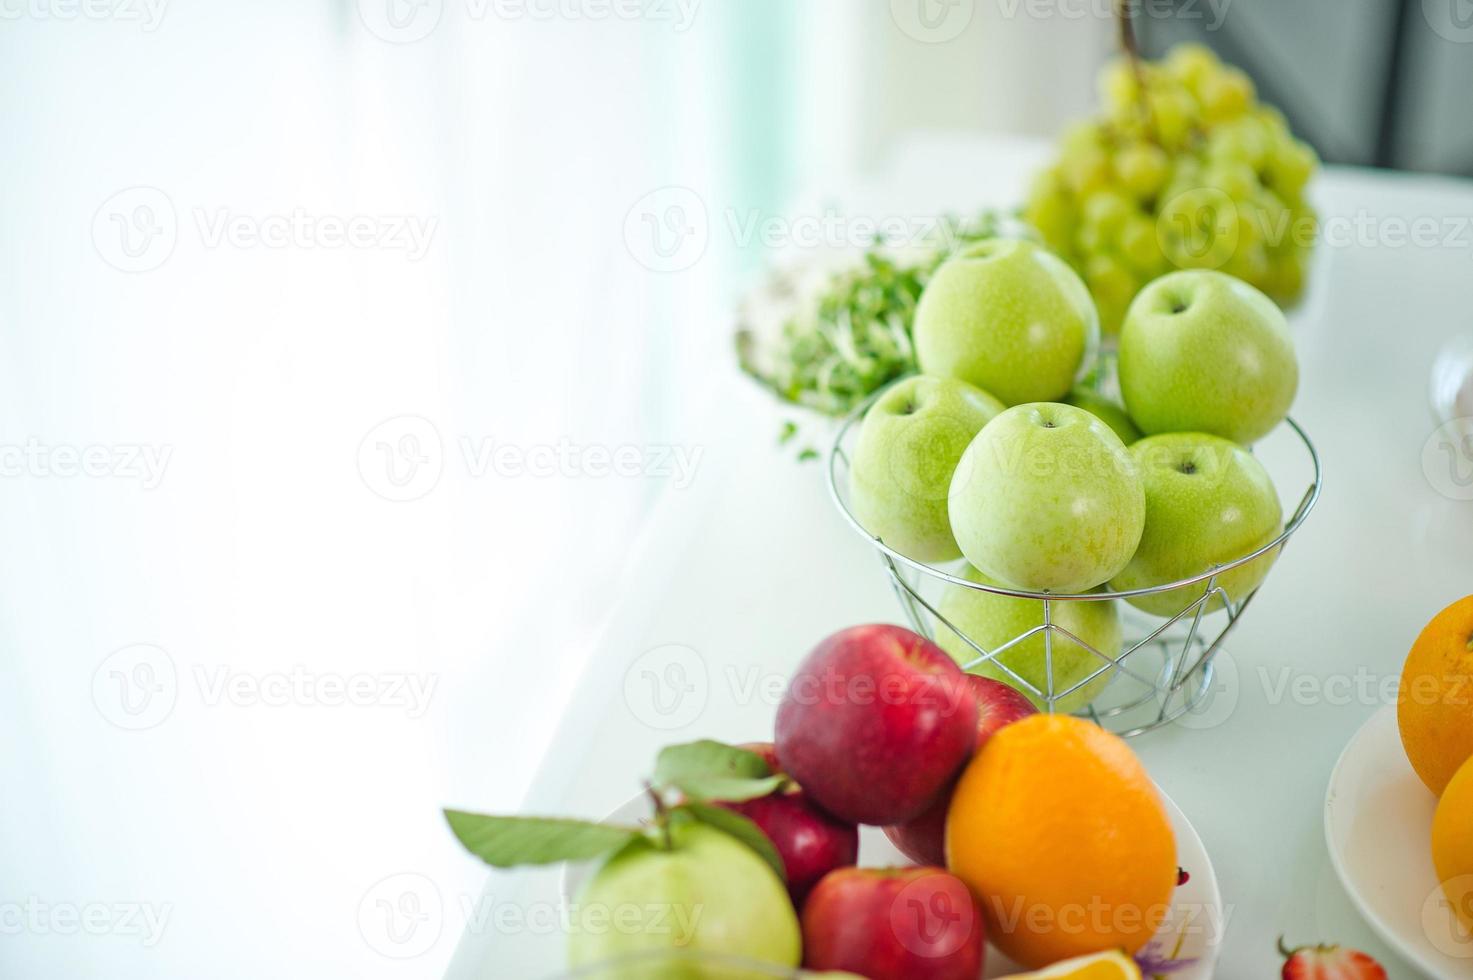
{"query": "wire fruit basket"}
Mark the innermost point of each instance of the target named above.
(1163, 669)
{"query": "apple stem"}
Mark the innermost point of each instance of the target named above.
(662, 816)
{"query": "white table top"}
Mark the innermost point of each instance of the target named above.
(750, 566)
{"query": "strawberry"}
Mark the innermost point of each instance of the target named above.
(1329, 963)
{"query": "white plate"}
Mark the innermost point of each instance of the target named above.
(1191, 937)
(1378, 825)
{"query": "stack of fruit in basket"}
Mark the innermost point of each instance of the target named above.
(1183, 170)
(1019, 819)
(1435, 717)
(1039, 833)
(993, 455)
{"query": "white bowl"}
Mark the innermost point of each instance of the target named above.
(1378, 825)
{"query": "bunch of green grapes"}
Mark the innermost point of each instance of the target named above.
(1184, 170)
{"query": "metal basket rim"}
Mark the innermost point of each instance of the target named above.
(1306, 504)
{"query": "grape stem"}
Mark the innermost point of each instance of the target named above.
(1125, 18)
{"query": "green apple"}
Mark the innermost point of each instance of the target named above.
(1201, 351)
(1208, 502)
(1107, 412)
(1047, 498)
(707, 893)
(992, 620)
(908, 448)
(1008, 317)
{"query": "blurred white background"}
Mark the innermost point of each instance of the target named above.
(253, 249)
(325, 325)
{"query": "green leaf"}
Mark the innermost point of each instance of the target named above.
(790, 429)
(728, 788)
(709, 757)
(739, 827)
(708, 770)
(506, 842)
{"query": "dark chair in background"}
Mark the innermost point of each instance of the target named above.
(1382, 83)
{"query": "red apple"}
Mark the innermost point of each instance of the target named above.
(894, 924)
(811, 842)
(998, 704)
(875, 724)
(923, 839)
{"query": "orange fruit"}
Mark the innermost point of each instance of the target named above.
(1057, 828)
(1102, 966)
(1434, 704)
(1452, 842)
